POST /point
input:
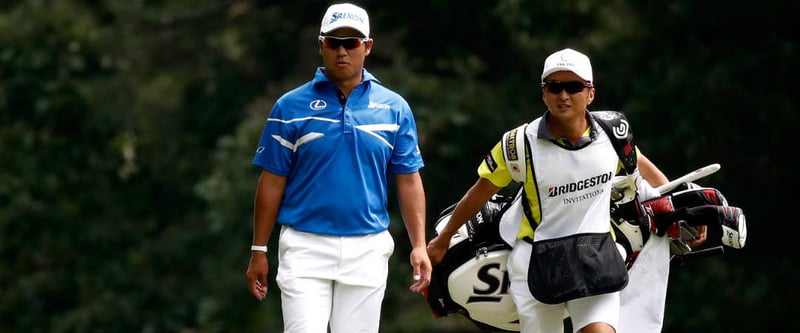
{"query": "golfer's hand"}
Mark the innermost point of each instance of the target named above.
(257, 275)
(421, 266)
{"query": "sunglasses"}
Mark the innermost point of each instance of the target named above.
(572, 87)
(349, 43)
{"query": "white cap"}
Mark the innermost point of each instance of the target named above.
(568, 60)
(345, 15)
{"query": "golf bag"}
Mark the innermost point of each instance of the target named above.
(472, 279)
(676, 214)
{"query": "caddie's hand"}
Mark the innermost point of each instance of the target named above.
(421, 266)
(700, 237)
(437, 248)
(257, 275)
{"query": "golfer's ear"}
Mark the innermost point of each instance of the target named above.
(368, 46)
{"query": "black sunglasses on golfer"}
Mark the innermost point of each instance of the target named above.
(349, 43)
(572, 87)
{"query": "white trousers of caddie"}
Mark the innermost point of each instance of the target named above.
(538, 317)
(332, 280)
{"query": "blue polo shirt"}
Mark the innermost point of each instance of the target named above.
(337, 157)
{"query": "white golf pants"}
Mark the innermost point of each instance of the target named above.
(332, 280)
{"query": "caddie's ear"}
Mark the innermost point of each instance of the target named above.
(591, 96)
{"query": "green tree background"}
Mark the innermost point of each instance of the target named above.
(127, 129)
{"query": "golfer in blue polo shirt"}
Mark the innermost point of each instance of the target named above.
(328, 151)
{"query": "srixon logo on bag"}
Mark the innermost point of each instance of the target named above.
(482, 279)
(493, 284)
(480, 289)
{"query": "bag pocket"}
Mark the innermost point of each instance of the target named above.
(575, 266)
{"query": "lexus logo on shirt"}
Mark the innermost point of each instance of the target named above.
(317, 105)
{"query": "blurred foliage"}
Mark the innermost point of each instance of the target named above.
(127, 130)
